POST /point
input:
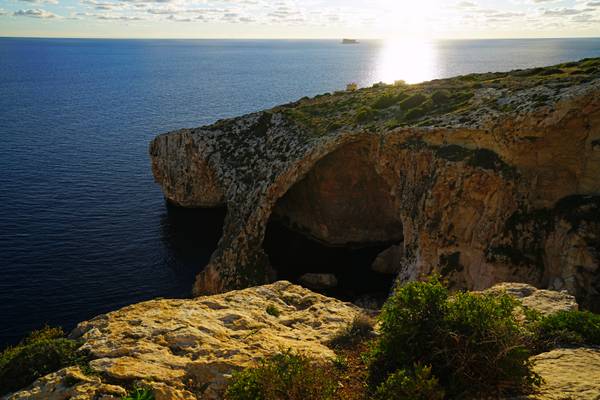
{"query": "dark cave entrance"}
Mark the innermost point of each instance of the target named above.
(293, 255)
(337, 220)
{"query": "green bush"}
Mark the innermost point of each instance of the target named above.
(440, 96)
(415, 385)
(284, 376)
(473, 342)
(385, 101)
(413, 101)
(566, 327)
(365, 114)
(42, 352)
(139, 394)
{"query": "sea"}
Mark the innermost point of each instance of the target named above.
(83, 227)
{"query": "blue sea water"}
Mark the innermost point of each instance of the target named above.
(83, 228)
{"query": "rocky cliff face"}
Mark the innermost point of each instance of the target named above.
(484, 179)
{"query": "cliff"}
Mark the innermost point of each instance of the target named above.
(188, 349)
(483, 178)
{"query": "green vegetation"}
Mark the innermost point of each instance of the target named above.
(391, 106)
(416, 384)
(473, 342)
(565, 328)
(42, 352)
(286, 376)
(360, 329)
(139, 394)
(273, 310)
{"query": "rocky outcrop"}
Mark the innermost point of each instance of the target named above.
(544, 301)
(484, 179)
(188, 349)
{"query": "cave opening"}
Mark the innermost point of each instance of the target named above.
(338, 230)
(294, 255)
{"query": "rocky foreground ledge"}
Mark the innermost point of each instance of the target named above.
(483, 178)
(187, 349)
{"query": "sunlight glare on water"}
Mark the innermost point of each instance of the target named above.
(412, 61)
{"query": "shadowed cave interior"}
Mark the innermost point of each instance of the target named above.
(337, 220)
(293, 254)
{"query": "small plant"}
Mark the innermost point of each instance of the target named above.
(42, 352)
(417, 384)
(273, 310)
(360, 329)
(284, 376)
(139, 394)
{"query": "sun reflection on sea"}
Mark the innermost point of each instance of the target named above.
(412, 61)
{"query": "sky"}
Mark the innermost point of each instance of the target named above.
(421, 19)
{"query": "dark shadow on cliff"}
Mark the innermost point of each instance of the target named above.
(292, 255)
(191, 236)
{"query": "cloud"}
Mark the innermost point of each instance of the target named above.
(40, 1)
(35, 13)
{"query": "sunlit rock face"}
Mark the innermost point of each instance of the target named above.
(501, 185)
(188, 349)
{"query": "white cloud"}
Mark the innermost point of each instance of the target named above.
(35, 13)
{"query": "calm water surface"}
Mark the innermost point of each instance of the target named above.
(83, 228)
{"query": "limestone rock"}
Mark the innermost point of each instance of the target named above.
(389, 261)
(318, 281)
(69, 384)
(544, 301)
(504, 187)
(178, 346)
(569, 374)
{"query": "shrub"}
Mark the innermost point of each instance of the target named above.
(416, 113)
(139, 394)
(365, 114)
(415, 385)
(473, 342)
(42, 352)
(284, 376)
(361, 328)
(385, 101)
(413, 101)
(440, 96)
(567, 327)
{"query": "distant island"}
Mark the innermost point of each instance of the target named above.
(350, 41)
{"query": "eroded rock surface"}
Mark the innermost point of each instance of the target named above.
(188, 348)
(495, 179)
(569, 374)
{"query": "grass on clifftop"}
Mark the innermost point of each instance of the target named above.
(391, 106)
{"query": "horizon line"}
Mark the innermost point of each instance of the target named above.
(292, 38)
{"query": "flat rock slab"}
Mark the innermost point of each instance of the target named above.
(569, 374)
(204, 340)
